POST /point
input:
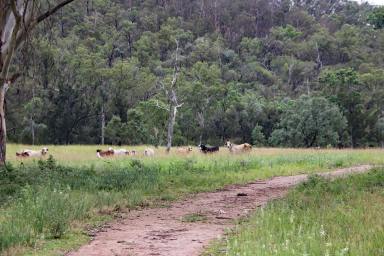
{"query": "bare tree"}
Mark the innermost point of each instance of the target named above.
(17, 19)
(173, 100)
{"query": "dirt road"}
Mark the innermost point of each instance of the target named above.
(165, 231)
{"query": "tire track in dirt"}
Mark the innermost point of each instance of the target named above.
(161, 231)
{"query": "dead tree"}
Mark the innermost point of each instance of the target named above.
(173, 100)
(17, 19)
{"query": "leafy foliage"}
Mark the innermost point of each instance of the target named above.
(310, 122)
(240, 62)
(376, 18)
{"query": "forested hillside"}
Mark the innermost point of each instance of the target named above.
(274, 73)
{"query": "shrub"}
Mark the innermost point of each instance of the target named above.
(258, 137)
(310, 122)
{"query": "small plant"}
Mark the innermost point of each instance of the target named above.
(50, 163)
(194, 217)
(136, 163)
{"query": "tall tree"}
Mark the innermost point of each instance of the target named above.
(171, 93)
(17, 19)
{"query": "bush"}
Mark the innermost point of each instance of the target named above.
(310, 122)
(39, 212)
(258, 137)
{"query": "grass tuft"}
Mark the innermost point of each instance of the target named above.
(194, 217)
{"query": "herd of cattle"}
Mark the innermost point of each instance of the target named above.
(110, 152)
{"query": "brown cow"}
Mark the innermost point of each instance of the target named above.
(107, 153)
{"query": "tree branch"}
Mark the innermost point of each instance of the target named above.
(15, 11)
(31, 22)
(53, 10)
(176, 69)
(12, 43)
(25, 10)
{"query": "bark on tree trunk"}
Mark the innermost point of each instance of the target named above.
(290, 70)
(33, 131)
(174, 105)
(201, 121)
(3, 129)
(171, 124)
(102, 125)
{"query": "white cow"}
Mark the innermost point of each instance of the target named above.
(32, 153)
(149, 152)
(119, 152)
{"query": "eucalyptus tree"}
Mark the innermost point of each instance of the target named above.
(17, 19)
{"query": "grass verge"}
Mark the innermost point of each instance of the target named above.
(319, 217)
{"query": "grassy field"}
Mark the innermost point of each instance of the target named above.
(46, 205)
(80, 155)
(343, 217)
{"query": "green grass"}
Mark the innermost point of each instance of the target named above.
(43, 203)
(319, 217)
(79, 155)
(194, 217)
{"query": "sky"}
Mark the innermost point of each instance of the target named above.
(375, 2)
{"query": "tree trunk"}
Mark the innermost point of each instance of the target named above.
(33, 131)
(290, 70)
(130, 44)
(3, 129)
(201, 121)
(87, 8)
(102, 125)
(171, 124)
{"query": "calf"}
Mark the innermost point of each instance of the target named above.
(149, 152)
(207, 149)
(185, 150)
(106, 153)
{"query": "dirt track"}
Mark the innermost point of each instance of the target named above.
(161, 231)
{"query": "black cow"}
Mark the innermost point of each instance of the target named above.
(206, 149)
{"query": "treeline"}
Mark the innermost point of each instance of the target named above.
(275, 73)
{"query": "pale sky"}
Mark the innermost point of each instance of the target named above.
(375, 2)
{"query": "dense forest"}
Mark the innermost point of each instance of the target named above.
(270, 72)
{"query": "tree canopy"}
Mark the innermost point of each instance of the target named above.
(287, 73)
